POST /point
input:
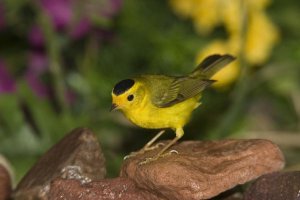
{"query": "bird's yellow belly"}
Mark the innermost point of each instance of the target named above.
(153, 117)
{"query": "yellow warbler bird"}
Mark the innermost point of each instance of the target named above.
(160, 102)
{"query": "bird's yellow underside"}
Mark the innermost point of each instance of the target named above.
(152, 117)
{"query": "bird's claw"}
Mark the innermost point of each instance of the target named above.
(143, 150)
(133, 154)
(173, 151)
(128, 156)
(152, 147)
(148, 160)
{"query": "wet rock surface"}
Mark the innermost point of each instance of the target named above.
(5, 181)
(203, 169)
(275, 186)
(76, 156)
(107, 189)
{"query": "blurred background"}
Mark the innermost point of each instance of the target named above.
(59, 60)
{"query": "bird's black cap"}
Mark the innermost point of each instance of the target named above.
(123, 86)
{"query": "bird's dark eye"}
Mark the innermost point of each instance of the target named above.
(130, 97)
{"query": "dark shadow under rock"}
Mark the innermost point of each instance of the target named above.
(107, 189)
(203, 169)
(77, 156)
(275, 186)
(235, 193)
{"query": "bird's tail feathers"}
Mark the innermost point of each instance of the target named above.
(211, 65)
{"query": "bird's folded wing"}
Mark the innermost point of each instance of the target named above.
(178, 90)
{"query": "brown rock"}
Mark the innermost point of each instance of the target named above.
(5, 183)
(275, 186)
(77, 155)
(107, 189)
(203, 169)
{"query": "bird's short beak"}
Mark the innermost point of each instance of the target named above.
(113, 107)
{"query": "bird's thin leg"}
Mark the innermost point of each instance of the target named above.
(179, 134)
(148, 146)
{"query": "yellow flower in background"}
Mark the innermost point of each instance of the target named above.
(205, 16)
(183, 8)
(231, 14)
(260, 38)
(228, 74)
(257, 4)
(251, 34)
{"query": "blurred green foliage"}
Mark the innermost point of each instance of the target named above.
(142, 37)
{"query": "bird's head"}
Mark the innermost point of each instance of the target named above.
(127, 95)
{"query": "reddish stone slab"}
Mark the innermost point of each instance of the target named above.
(107, 189)
(275, 186)
(203, 169)
(5, 183)
(78, 156)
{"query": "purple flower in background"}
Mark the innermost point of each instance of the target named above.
(113, 7)
(77, 16)
(38, 62)
(7, 83)
(36, 37)
(38, 65)
(71, 18)
(60, 12)
(81, 29)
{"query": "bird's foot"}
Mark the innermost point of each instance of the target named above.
(157, 145)
(148, 160)
(151, 159)
(143, 150)
(173, 151)
(133, 154)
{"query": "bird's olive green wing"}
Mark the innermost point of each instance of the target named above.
(180, 89)
(162, 88)
(167, 91)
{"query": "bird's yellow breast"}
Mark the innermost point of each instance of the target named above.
(148, 115)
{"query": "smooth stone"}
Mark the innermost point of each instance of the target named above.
(77, 156)
(203, 169)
